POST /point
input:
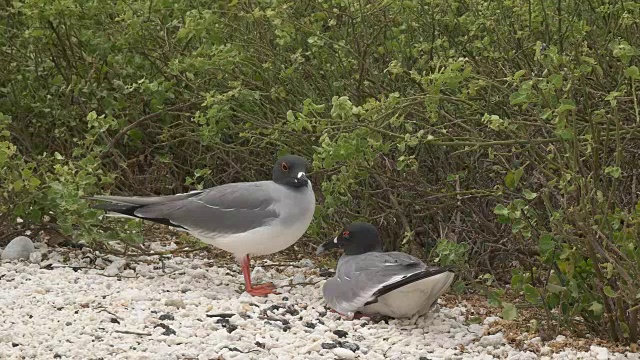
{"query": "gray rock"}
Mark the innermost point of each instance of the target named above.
(492, 340)
(307, 263)
(19, 248)
(115, 267)
(258, 274)
(298, 279)
(35, 257)
(177, 303)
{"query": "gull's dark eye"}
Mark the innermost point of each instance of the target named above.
(284, 166)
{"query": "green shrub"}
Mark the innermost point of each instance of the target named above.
(508, 128)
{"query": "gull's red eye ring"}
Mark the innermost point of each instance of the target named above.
(345, 233)
(284, 166)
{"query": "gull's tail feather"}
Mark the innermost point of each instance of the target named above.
(122, 206)
(143, 200)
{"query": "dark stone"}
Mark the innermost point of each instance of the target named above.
(320, 321)
(233, 348)
(424, 358)
(292, 311)
(68, 323)
(227, 325)
(15, 344)
(259, 344)
(310, 325)
(231, 328)
(167, 329)
(223, 321)
(329, 345)
(57, 356)
(350, 346)
(326, 273)
(166, 317)
(223, 315)
(270, 319)
(286, 328)
(115, 321)
(285, 299)
(340, 333)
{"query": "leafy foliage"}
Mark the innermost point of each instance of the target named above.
(507, 128)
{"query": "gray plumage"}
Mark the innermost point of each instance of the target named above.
(256, 218)
(358, 277)
(370, 281)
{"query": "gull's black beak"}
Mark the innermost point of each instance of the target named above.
(302, 179)
(329, 245)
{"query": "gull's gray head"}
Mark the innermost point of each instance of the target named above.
(357, 238)
(291, 170)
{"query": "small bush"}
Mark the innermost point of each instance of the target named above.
(507, 128)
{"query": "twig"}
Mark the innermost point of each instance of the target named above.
(279, 264)
(131, 332)
(394, 203)
(307, 283)
(126, 129)
(102, 309)
(233, 348)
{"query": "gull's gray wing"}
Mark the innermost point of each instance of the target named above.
(359, 277)
(226, 209)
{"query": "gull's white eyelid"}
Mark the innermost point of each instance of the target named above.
(335, 240)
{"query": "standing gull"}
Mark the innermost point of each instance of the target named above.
(246, 218)
(370, 281)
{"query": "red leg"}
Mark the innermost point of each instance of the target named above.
(258, 289)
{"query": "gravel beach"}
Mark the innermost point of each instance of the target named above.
(80, 306)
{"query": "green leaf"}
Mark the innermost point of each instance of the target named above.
(553, 300)
(494, 298)
(566, 105)
(632, 72)
(509, 311)
(513, 177)
(517, 225)
(519, 74)
(609, 292)
(290, 116)
(553, 288)
(529, 195)
(608, 270)
(613, 171)
(556, 80)
(565, 134)
(501, 210)
(596, 307)
(459, 287)
(17, 185)
(34, 182)
(135, 134)
(518, 98)
(531, 294)
(546, 244)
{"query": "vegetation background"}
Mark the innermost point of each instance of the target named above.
(501, 136)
